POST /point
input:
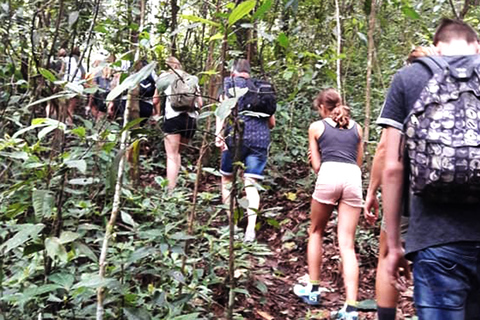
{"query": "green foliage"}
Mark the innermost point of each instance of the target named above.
(57, 181)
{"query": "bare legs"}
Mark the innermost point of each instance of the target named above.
(320, 213)
(347, 222)
(387, 295)
(173, 143)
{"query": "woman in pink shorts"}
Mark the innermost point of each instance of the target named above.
(336, 155)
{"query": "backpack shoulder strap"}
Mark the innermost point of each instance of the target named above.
(435, 64)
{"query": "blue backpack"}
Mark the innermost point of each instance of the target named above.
(260, 97)
(442, 134)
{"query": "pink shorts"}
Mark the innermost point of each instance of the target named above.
(339, 182)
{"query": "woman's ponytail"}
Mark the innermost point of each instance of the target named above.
(341, 115)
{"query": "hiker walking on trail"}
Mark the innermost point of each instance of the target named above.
(179, 108)
(432, 108)
(386, 294)
(74, 72)
(336, 153)
(260, 98)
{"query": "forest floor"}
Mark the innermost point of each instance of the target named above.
(272, 278)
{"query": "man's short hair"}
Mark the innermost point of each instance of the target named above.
(242, 65)
(449, 30)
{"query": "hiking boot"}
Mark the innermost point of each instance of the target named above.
(344, 315)
(307, 295)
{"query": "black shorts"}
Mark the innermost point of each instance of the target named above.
(181, 124)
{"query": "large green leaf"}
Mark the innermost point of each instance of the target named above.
(27, 232)
(68, 236)
(136, 314)
(241, 11)
(225, 108)
(132, 81)
(64, 279)
(55, 249)
(80, 165)
(266, 5)
(47, 74)
(283, 40)
(95, 281)
(43, 202)
(60, 95)
(410, 12)
(164, 81)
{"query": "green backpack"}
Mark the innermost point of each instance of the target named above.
(184, 92)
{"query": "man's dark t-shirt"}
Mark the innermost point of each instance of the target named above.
(430, 223)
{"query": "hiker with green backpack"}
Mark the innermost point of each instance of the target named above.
(179, 109)
(432, 146)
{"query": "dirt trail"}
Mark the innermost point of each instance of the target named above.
(282, 270)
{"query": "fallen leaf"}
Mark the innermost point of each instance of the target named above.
(265, 315)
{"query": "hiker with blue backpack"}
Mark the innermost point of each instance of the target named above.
(336, 153)
(178, 104)
(431, 115)
(256, 110)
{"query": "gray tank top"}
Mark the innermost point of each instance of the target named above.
(339, 145)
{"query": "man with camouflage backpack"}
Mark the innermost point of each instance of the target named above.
(431, 115)
(256, 109)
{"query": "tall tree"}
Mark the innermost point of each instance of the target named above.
(371, 48)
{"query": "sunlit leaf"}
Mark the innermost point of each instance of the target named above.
(43, 202)
(283, 40)
(164, 81)
(241, 11)
(26, 232)
(131, 81)
(127, 218)
(55, 249)
(81, 181)
(223, 111)
(47, 74)
(68, 236)
(73, 17)
(95, 281)
(202, 20)
(80, 165)
(410, 12)
(217, 36)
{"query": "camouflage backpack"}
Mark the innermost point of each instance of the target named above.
(442, 134)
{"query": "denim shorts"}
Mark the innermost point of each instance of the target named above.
(447, 281)
(254, 159)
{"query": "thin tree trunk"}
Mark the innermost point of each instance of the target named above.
(115, 208)
(174, 8)
(339, 47)
(132, 96)
(371, 47)
(57, 28)
(466, 7)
